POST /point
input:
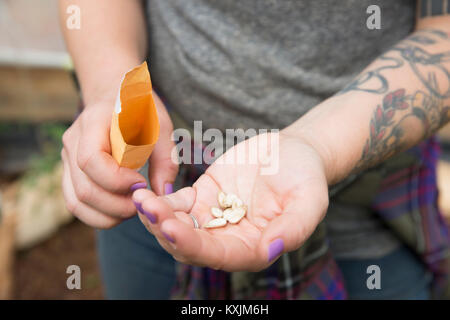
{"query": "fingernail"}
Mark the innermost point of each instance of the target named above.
(275, 248)
(149, 216)
(169, 238)
(139, 185)
(138, 206)
(168, 188)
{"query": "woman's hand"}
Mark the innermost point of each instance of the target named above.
(98, 191)
(283, 209)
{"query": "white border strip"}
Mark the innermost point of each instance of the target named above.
(35, 58)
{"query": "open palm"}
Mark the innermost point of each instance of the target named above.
(284, 208)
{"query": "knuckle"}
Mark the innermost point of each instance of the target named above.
(83, 159)
(66, 139)
(173, 167)
(71, 206)
(114, 183)
(83, 193)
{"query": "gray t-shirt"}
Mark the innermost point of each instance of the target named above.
(264, 63)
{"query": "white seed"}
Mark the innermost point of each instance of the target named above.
(216, 212)
(216, 223)
(227, 213)
(221, 197)
(234, 210)
(229, 199)
(237, 203)
(236, 215)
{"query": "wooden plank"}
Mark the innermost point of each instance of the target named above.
(36, 95)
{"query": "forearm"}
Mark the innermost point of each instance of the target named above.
(112, 40)
(400, 99)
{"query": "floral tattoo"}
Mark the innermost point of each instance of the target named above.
(389, 122)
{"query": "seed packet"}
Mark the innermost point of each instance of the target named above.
(135, 125)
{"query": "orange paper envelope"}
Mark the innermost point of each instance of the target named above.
(135, 125)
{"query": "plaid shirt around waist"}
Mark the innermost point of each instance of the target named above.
(405, 198)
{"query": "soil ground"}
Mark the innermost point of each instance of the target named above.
(40, 273)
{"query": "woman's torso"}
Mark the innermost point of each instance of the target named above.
(264, 63)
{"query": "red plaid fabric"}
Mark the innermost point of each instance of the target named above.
(406, 200)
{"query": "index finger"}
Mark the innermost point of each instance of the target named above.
(103, 170)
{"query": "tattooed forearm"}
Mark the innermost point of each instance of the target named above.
(374, 81)
(427, 68)
(421, 39)
(389, 124)
(434, 32)
(428, 109)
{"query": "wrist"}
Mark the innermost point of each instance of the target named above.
(100, 83)
(338, 130)
(324, 153)
(323, 131)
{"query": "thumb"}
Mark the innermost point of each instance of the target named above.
(162, 169)
(300, 217)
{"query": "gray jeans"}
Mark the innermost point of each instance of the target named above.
(133, 264)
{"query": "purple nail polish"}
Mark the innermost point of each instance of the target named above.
(168, 188)
(139, 185)
(275, 248)
(138, 206)
(169, 238)
(149, 216)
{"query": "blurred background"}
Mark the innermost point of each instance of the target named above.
(38, 101)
